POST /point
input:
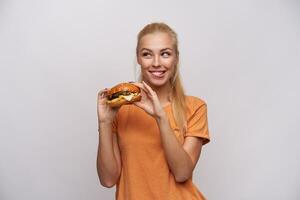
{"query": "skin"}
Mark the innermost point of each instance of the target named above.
(157, 58)
(108, 158)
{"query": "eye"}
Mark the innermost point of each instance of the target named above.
(146, 54)
(166, 54)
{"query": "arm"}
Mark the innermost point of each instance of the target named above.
(108, 157)
(181, 159)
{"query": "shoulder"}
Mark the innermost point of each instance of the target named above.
(194, 105)
(192, 102)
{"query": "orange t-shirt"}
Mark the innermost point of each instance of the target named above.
(145, 174)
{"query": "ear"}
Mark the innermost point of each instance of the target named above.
(177, 58)
(138, 60)
(176, 62)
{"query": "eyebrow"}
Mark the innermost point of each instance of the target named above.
(160, 50)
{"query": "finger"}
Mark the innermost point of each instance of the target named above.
(103, 93)
(140, 85)
(139, 104)
(152, 94)
(149, 89)
(146, 87)
(116, 109)
(145, 94)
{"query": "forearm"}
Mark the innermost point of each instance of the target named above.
(107, 166)
(178, 159)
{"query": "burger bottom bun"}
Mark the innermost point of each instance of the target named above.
(121, 101)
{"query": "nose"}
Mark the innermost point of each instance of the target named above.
(156, 61)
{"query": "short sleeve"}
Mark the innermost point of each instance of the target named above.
(197, 124)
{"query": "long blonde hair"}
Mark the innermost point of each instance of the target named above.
(177, 93)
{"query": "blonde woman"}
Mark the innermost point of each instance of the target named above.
(149, 149)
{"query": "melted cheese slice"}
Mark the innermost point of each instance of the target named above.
(128, 97)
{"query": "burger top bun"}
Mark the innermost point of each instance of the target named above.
(123, 93)
(124, 87)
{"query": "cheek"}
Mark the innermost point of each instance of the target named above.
(172, 72)
(144, 63)
(144, 69)
(172, 68)
(170, 64)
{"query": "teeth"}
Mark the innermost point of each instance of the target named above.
(157, 73)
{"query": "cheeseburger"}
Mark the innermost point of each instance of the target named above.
(123, 93)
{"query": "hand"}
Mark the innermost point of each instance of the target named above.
(106, 114)
(149, 102)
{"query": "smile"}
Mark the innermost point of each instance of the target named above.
(158, 73)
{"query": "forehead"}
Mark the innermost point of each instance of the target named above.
(156, 41)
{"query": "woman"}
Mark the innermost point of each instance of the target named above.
(150, 149)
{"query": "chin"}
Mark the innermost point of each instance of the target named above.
(156, 82)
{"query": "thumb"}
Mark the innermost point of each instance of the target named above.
(139, 104)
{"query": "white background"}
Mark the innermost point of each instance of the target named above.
(242, 57)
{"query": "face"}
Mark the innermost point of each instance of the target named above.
(157, 58)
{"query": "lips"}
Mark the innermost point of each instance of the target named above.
(157, 73)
